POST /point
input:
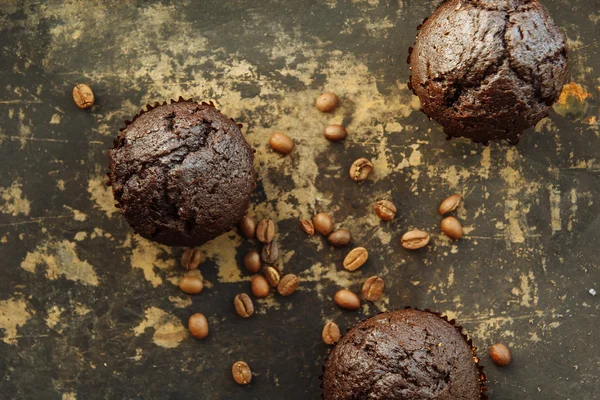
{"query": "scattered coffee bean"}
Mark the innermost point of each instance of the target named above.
(373, 288)
(414, 240)
(323, 224)
(340, 238)
(272, 275)
(191, 258)
(346, 299)
(452, 228)
(360, 169)
(331, 333)
(270, 253)
(335, 132)
(191, 284)
(500, 355)
(386, 210)
(281, 143)
(307, 226)
(450, 204)
(83, 96)
(243, 305)
(327, 102)
(265, 231)
(252, 261)
(248, 226)
(198, 326)
(241, 373)
(288, 284)
(260, 286)
(356, 258)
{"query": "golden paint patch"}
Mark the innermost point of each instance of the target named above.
(101, 195)
(169, 332)
(151, 257)
(14, 314)
(12, 200)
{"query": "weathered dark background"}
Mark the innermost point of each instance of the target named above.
(87, 310)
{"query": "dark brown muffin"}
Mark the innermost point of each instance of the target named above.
(404, 354)
(488, 69)
(182, 173)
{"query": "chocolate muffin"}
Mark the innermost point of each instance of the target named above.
(488, 69)
(181, 173)
(404, 354)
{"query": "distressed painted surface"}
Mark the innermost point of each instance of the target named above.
(83, 301)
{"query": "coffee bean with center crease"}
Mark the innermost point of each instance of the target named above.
(452, 228)
(386, 210)
(335, 132)
(323, 224)
(360, 169)
(307, 226)
(191, 258)
(270, 253)
(252, 261)
(288, 284)
(243, 305)
(265, 231)
(281, 143)
(500, 355)
(83, 96)
(272, 275)
(241, 373)
(414, 240)
(191, 284)
(356, 258)
(373, 288)
(198, 326)
(260, 286)
(346, 299)
(327, 102)
(248, 226)
(331, 333)
(450, 204)
(340, 238)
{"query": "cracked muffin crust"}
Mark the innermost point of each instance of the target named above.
(403, 354)
(181, 173)
(488, 69)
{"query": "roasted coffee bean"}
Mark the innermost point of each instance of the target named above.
(335, 132)
(191, 284)
(346, 299)
(386, 210)
(243, 305)
(356, 258)
(340, 238)
(331, 333)
(281, 143)
(415, 240)
(450, 204)
(265, 231)
(323, 224)
(260, 286)
(373, 288)
(270, 253)
(191, 258)
(500, 355)
(307, 226)
(288, 284)
(452, 228)
(248, 226)
(83, 96)
(327, 102)
(360, 169)
(272, 275)
(198, 326)
(241, 373)
(252, 261)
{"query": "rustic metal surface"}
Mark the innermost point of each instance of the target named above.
(87, 310)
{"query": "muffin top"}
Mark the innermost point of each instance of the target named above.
(404, 354)
(182, 173)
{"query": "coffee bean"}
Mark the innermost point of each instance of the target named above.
(241, 373)
(452, 228)
(252, 261)
(340, 238)
(307, 226)
(500, 355)
(360, 169)
(281, 143)
(272, 275)
(373, 288)
(198, 326)
(323, 223)
(191, 258)
(83, 96)
(386, 210)
(288, 284)
(415, 240)
(331, 333)
(327, 102)
(450, 204)
(243, 305)
(248, 226)
(356, 258)
(270, 253)
(265, 231)
(260, 286)
(191, 284)
(346, 299)
(335, 132)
